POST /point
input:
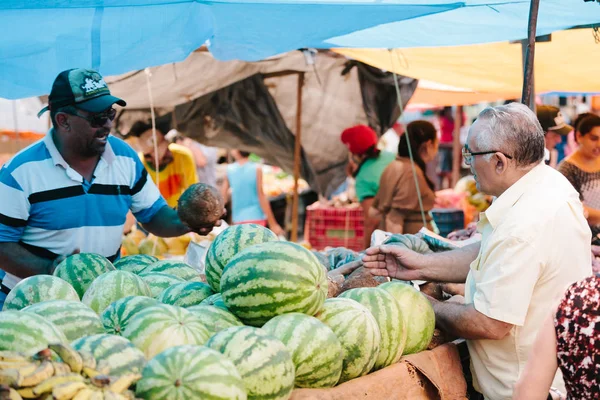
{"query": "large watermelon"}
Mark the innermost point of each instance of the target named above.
(117, 315)
(136, 263)
(177, 268)
(264, 363)
(316, 351)
(230, 242)
(159, 281)
(387, 313)
(81, 269)
(115, 354)
(112, 286)
(73, 318)
(27, 333)
(214, 318)
(215, 300)
(409, 241)
(185, 294)
(160, 327)
(190, 373)
(36, 289)
(271, 279)
(419, 318)
(358, 333)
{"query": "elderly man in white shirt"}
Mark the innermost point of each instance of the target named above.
(535, 242)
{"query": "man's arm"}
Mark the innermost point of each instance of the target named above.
(265, 205)
(199, 157)
(18, 261)
(166, 223)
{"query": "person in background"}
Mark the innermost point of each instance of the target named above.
(397, 200)
(554, 127)
(366, 164)
(570, 340)
(205, 158)
(572, 145)
(249, 204)
(582, 169)
(176, 167)
(446, 121)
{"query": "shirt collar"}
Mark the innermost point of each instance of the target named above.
(495, 213)
(108, 156)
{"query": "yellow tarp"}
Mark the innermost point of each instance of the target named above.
(568, 63)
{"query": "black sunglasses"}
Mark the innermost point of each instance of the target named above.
(96, 120)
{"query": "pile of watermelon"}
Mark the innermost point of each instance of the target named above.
(259, 326)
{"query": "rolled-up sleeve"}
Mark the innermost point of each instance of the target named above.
(14, 208)
(146, 198)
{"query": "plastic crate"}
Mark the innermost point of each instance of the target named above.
(335, 227)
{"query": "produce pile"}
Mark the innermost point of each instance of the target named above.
(258, 324)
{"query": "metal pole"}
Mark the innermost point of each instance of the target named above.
(528, 93)
(297, 154)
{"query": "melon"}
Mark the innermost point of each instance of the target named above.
(214, 318)
(273, 278)
(116, 316)
(128, 246)
(73, 318)
(419, 318)
(316, 351)
(264, 363)
(112, 286)
(190, 373)
(215, 300)
(185, 294)
(27, 333)
(178, 268)
(36, 289)
(158, 281)
(81, 269)
(153, 245)
(115, 355)
(157, 328)
(409, 241)
(358, 333)
(136, 263)
(387, 313)
(230, 242)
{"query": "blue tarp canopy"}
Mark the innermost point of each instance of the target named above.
(40, 38)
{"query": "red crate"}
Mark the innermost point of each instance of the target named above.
(335, 227)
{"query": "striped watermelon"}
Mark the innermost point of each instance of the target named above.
(36, 289)
(116, 316)
(215, 319)
(73, 318)
(190, 373)
(230, 242)
(27, 333)
(177, 268)
(387, 313)
(316, 351)
(160, 327)
(136, 263)
(273, 278)
(81, 269)
(112, 286)
(358, 333)
(158, 281)
(264, 363)
(185, 294)
(115, 354)
(419, 318)
(215, 300)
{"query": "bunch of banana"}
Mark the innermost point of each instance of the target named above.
(60, 373)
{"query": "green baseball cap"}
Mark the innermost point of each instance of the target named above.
(83, 88)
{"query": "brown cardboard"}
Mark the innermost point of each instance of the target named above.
(433, 374)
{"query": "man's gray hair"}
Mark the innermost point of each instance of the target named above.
(514, 130)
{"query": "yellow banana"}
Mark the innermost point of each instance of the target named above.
(110, 395)
(97, 395)
(91, 373)
(10, 377)
(66, 391)
(72, 358)
(129, 394)
(44, 371)
(88, 360)
(8, 393)
(123, 382)
(27, 393)
(49, 384)
(28, 369)
(61, 369)
(84, 394)
(4, 365)
(6, 355)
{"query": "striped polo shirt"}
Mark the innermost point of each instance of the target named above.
(51, 210)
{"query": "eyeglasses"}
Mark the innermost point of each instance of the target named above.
(468, 155)
(96, 120)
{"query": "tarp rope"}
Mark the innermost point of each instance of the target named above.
(410, 154)
(154, 141)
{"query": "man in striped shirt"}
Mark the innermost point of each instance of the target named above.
(71, 191)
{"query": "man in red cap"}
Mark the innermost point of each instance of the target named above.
(366, 165)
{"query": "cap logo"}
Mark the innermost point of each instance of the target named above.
(559, 122)
(92, 87)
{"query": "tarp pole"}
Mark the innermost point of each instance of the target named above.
(528, 93)
(297, 153)
(456, 147)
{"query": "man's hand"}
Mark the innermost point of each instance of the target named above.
(394, 262)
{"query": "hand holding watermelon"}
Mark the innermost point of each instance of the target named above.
(394, 262)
